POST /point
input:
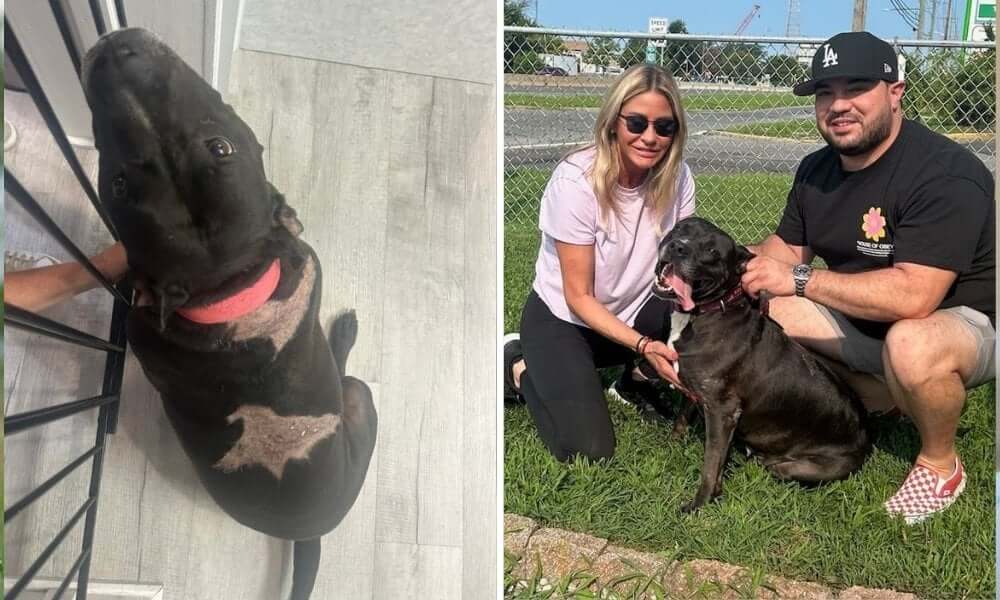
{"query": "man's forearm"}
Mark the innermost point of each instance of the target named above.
(888, 294)
(776, 248)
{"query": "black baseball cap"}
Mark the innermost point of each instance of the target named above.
(855, 55)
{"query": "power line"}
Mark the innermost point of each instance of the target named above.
(904, 11)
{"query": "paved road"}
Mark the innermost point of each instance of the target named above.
(708, 153)
(541, 136)
(529, 126)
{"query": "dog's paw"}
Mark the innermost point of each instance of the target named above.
(690, 507)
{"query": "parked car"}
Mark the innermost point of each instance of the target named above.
(549, 70)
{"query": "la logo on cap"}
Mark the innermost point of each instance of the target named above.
(829, 56)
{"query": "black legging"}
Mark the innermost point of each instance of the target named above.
(561, 385)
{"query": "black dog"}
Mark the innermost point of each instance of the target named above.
(226, 325)
(788, 407)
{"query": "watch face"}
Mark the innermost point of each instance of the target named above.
(801, 271)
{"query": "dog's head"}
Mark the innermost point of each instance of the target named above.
(181, 175)
(698, 263)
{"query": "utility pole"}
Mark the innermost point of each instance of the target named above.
(947, 22)
(933, 28)
(920, 19)
(860, 8)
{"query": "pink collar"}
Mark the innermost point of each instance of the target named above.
(239, 304)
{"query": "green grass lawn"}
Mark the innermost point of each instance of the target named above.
(836, 534)
(796, 129)
(692, 100)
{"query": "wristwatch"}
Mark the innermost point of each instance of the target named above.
(801, 275)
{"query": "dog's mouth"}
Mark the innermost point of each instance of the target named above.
(668, 285)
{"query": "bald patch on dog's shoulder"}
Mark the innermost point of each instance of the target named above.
(277, 320)
(271, 440)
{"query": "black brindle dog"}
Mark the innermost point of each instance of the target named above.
(791, 410)
(226, 325)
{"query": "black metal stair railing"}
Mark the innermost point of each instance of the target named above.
(106, 404)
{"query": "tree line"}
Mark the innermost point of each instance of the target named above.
(690, 60)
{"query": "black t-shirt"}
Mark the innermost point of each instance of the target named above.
(927, 200)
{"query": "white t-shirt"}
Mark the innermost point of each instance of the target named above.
(624, 254)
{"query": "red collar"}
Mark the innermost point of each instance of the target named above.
(732, 296)
(239, 304)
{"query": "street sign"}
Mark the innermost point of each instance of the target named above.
(978, 14)
(659, 25)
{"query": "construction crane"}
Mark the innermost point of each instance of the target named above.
(747, 19)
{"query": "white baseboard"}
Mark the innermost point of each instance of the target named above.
(44, 589)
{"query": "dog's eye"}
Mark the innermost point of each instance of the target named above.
(220, 147)
(119, 186)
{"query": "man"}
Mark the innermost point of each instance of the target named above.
(904, 219)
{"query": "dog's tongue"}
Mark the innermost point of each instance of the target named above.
(239, 304)
(681, 288)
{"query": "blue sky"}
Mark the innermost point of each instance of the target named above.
(817, 18)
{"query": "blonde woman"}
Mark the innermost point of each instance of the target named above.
(603, 213)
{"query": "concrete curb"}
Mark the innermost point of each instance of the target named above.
(560, 553)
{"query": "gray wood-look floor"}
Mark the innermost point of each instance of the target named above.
(394, 177)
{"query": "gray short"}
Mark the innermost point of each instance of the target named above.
(863, 353)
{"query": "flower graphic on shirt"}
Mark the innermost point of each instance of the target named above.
(873, 224)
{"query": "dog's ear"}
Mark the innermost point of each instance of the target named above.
(284, 215)
(743, 256)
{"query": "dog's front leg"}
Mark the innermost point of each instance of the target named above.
(720, 424)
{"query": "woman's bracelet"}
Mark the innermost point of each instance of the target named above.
(640, 346)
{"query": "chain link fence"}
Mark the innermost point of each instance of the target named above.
(748, 132)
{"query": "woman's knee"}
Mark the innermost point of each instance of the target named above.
(593, 445)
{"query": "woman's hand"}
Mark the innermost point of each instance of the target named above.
(662, 358)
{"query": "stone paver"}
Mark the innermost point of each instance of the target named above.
(617, 561)
(860, 593)
(725, 581)
(559, 551)
(564, 552)
(516, 531)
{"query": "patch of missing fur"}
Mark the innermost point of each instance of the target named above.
(678, 321)
(271, 440)
(277, 320)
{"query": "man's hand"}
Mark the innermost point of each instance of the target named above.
(765, 273)
(662, 357)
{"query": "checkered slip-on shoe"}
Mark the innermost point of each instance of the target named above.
(924, 493)
(511, 354)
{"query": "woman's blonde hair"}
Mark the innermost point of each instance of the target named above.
(661, 181)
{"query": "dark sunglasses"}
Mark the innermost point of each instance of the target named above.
(664, 127)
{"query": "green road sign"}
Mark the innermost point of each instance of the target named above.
(978, 13)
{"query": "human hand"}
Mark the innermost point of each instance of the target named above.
(662, 357)
(112, 262)
(766, 273)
